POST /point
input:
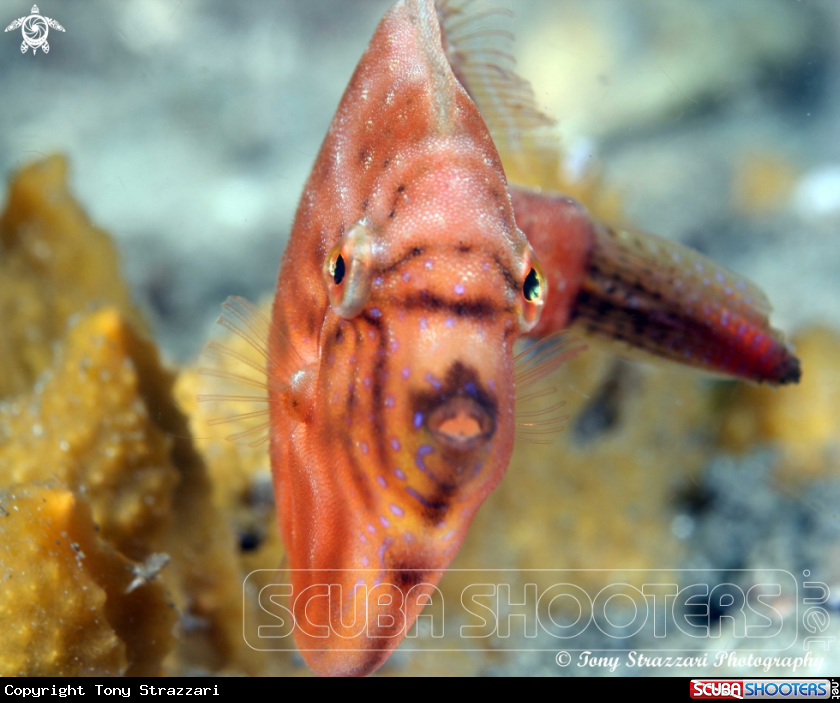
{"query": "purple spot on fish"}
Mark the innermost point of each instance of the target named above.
(405, 372)
(387, 543)
(471, 389)
(397, 510)
(416, 495)
(418, 420)
(429, 263)
(449, 534)
(421, 452)
(406, 277)
(362, 538)
(371, 334)
(376, 312)
(384, 521)
(381, 481)
(395, 444)
(485, 266)
(422, 323)
(371, 528)
(389, 401)
(437, 385)
(491, 384)
(364, 447)
(393, 345)
(459, 289)
(365, 562)
(399, 474)
(450, 322)
(377, 281)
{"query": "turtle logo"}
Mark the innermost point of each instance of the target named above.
(35, 28)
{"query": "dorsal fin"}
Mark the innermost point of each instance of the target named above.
(478, 42)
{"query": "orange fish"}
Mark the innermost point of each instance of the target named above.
(388, 366)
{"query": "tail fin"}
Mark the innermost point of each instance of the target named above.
(650, 293)
(666, 299)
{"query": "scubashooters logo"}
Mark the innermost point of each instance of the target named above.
(689, 612)
(35, 29)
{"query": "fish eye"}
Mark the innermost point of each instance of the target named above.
(534, 290)
(337, 269)
(347, 271)
(531, 288)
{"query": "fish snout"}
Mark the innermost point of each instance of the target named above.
(460, 412)
(460, 423)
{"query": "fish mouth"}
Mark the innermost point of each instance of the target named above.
(461, 424)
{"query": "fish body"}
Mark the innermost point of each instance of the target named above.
(403, 350)
(388, 360)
